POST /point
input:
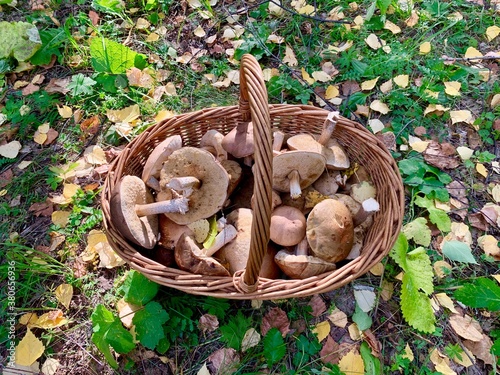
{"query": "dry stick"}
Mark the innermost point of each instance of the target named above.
(470, 58)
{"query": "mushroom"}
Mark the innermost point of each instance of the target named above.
(296, 170)
(300, 265)
(189, 257)
(207, 196)
(367, 209)
(288, 226)
(235, 173)
(170, 232)
(269, 268)
(239, 141)
(278, 139)
(330, 230)
(212, 140)
(327, 183)
(340, 158)
(134, 212)
(152, 167)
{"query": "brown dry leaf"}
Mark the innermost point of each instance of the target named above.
(250, 339)
(387, 290)
(224, 361)
(377, 269)
(64, 294)
(441, 155)
(10, 150)
(466, 327)
(489, 245)
(58, 85)
(56, 239)
(94, 17)
(42, 208)
(338, 318)
(412, 20)
(458, 198)
(139, 78)
(491, 213)
(362, 110)
(51, 136)
(352, 363)
(441, 363)
(372, 342)
(330, 351)
(275, 318)
(208, 323)
(322, 330)
(29, 349)
(477, 220)
(90, 126)
(318, 305)
(30, 89)
(386, 86)
(51, 319)
(481, 349)
(350, 87)
(290, 58)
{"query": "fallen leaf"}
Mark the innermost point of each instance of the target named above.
(417, 144)
(275, 318)
(465, 152)
(50, 320)
(250, 339)
(365, 297)
(452, 88)
(377, 269)
(95, 155)
(436, 109)
(50, 366)
(413, 19)
(350, 87)
(495, 193)
(442, 268)
(125, 115)
(40, 138)
(10, 150)
(322, 330)
(387, 290)
(368, 85)
(376, 125)
(330, 351)
(331, 92)
(466, 327)
(489, 244)
(28, 319)
(51, 136)
(492, 32)
(60, 218)
(472, 52)
(139, 78)
(153, 37)
(30, 89)
(290, 58)
(352, 364)
(58, 85)
(338, 318)
(29, 349)
(126, 312)
(374, 42)
(425, 48)
(408, 353)
(379, 106)
(142, 23)
(318, 305)
(441, 363)
(441, 155)
(65, 111)
(481, 349)
(495, 101)
(90, 125)
(208, 323)
(393, 28)
(481, 169)
(402, 80)
(64, 294)
(224, 361)
(444, 300)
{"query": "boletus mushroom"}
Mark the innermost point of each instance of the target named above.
(288, 226)
(134, 211)
(300, 265)
(330, 230)
(239, 141)
(152, 167)
(204, 178)
(296, 170)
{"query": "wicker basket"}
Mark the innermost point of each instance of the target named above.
(359, 143)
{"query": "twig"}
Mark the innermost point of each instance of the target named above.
(446, 58)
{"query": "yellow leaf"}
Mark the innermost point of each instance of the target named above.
(126, 312)
(29, 349)
(377, 269)
(51, 319)
(379, 106)
(354, 332)
(463, 115)
(60, 218)
(376, 125)
(392, 27)
(199, 32)
(40, 138)
(24, 164)
(64, 294)
(69, 190)
(386, 86)
(268, 73)
(127, 114)
(419, 146)
(10, 150)
(492, 32)
(441, 363)
(331, 92)
(489, 245)
(95, 155)
(452, 88)
(338, 318)
(408, 353)
(425, 48)
(322, 330)
(472, 52)
(387, 290)
(307, 10)
(352, 364)
(445, 301)
(28, 319)
(321, 76)
(374, 42)
(465, 152)
(50, 366)
(402, 80)
(306, 77)
(496, 277)
(290, 58)
(250, 339)
(440, 268)
(436, 109)
(142, 23)
(153, 37)
(64, 111)
(431, 94)
(44, 128)
(170, 89)
(481, 169)
(368, 85)
(163, 115)
(495, 193)
(495, 101)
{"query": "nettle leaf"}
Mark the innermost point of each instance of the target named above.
(436, 215)
(458, 251)
(108, 330)
(19, 40)
(108, 56)
(399, 250)
(81, 85)
(418, 231)
(274, 346)
(416, 306)
(234, 331)
(52, 41)
(420, 269)
(148, 324)
(138, 289)
(372, 363)
(482, 293)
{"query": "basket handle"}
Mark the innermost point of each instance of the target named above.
(253, 105)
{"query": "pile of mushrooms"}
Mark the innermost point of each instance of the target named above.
(192, 208)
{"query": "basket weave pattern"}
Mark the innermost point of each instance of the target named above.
(361, 145)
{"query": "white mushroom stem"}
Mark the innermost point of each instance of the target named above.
(278, 139)
(368, 208)
(173, 205)
(225, 236)
(153, 183)
(184, 185)
(295, 190)
(328, 127)
(301, 247)
(213, 138)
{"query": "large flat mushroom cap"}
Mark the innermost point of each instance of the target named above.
(239, 141)
(209, 198)
(153, 164)
(310, 166)
(128, 193)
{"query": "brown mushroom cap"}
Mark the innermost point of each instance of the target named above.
(301, 266)
(306, 142)
(340, 158)
(330, 230)
(327, 184)
(288, 226)
(170, 232)
(209, 198)
(309, 165)
(189, 257)
(129, 192)
(235, 173)
(153, 164)
(239, 141)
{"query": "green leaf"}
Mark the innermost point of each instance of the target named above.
(148, 324)
(274, 346)
(362, 319)
(305, 349)
(418, 231)
(234, 330)
(109, 6)
(108, 56)
(420, 270)
(399, 250)
(482, 293)
(495, 348)
(81, 85)
(138, 289)
(458, 251)
(372, 363)
(52, 41)
(436, 216)
(416, 307)
(19, 40)
(383, 5)
(212, 232)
